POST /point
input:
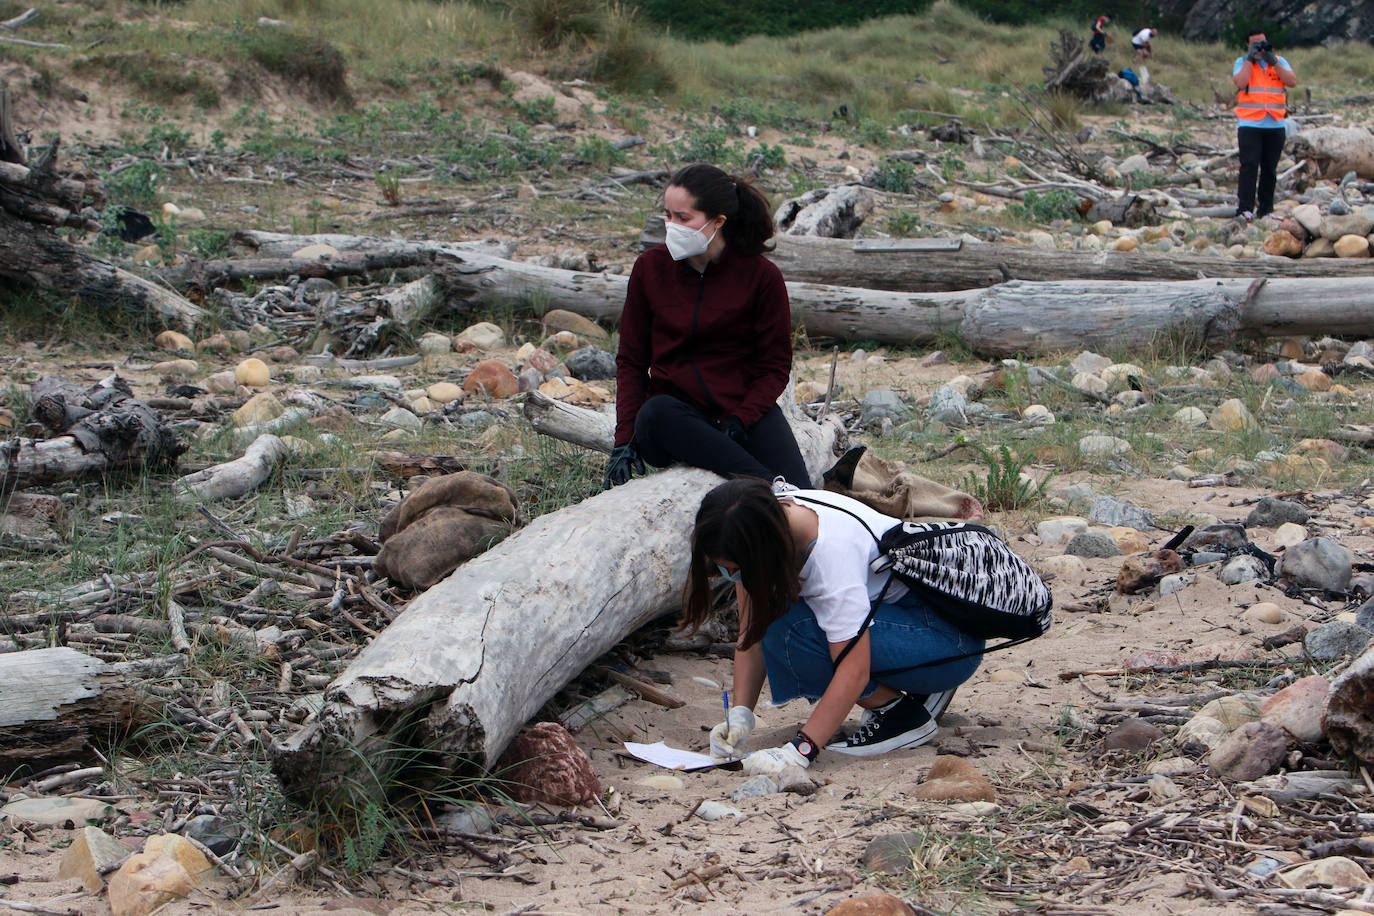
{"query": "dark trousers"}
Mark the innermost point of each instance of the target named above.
(1098, 43)
(1260, 149)
(669, 430)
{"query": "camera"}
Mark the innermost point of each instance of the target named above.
(1260, 48)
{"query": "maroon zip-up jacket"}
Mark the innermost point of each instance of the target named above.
(720, 340)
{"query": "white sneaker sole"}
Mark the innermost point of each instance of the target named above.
(937, 703)
(913, 738)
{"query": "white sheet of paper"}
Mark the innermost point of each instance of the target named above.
(670, 757)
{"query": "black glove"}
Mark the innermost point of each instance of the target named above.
(734, 428)
(1270, 58)
(625, 463)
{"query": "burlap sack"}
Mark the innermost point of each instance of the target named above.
(446, 521)
(895, 491)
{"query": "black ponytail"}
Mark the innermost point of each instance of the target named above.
(748, 215)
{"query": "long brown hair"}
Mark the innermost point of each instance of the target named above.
(748, 215)
(742, 522)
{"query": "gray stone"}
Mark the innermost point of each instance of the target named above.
(1318, 563)
(1336, 639)
(1202, 557)
(1093, 545)
(1038, 377)
(1076, 494)
(474, 422)
(1108, 510)
(796, 780)
(529, 379)
(1339, 207)
(1287, 385)
(1089, 362)
(948, 405)
(1333, 227)
(316, 288)
(891, 853)
(714, 811)
(54, 812)
(1365, 615)
(1362, 349)
(1255, 749)
(590, 364)
(471, 818)
(400, 418)
(1223, 538)
(882, 404)
(1243, 569)
(1133, 736)
(754, 787)
(214, 833)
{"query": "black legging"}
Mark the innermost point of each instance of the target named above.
(1260, 149)
(669, 430)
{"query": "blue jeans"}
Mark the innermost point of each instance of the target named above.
(796, 652)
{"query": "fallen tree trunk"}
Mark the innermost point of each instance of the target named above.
(59, 701)
(100, 428)
(1021, 317)
(473, 658)
(233, 479)
(1348, 720)
(1336, 151)
(34, 198)
(845, 263)
(283, 245)
(569, 423)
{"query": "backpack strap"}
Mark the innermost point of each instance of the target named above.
(879, 600)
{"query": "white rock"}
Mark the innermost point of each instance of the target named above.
(1190, 416)
(1090, 382)
(1288, 534)
(1066, 569)
(435, 344)
(1177, 582)
(484, 335)
(315, 252)
(400, 418)
(1103, 447)
(1060, 530)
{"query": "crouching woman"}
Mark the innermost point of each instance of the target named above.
(800, 563)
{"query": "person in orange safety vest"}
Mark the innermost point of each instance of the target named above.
(1262, 79)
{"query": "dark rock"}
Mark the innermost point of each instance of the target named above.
(1287, 386)
(891, 853)
(1365, 615)
(1222, 538)
(1142, 572)
(591, 364)
(1336, 639)
(1255, 749)
(1301, 22)
(1133, 736)
(213, 833)
(1205, 556)
(1093, 545)
(1270, 513)
(1318, 563)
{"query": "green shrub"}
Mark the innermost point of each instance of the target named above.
(896, 175)
(158, 77)
(600, 152)
(1003, 487)
(135, 185)
(1047, 207)
(301, 58)
(208, 243)
(537, 111)
(730, 21)
(628, 61)
(555, 23)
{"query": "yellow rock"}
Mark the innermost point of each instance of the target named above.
(1102, 227)
(1282, 243)
(174, 340)
(315, 252)
(170, 210)
(177, 369)
(1129, 540)
(1351, 246)
(564, 320)
(191, 215)
(1315, 380)
(563, 340)
(167, 869)
(1342, 391)
(91, 851)
(1005, 676)
(422, 405)
(148, 254)
(1232, 416)
(260, 408)
(1367, 521)
(444, 392)
(1126, 243)
(1332, 871)
(253, 372)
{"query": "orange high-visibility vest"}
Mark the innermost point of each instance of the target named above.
(1266, 94)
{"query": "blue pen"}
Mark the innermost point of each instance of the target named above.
(725, 698)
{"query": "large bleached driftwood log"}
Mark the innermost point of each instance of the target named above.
(473, 658)
(1336, 150)
(1021, 317)
(582, 426)
(841, 262)
(58, 701)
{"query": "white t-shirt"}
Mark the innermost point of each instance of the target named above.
(836, 582)
(1143, 36)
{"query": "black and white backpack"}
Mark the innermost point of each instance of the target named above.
(966, 574)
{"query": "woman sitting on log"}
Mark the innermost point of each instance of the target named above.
(800, 564)
(706, 340)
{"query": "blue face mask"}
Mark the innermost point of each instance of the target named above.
(730, 576)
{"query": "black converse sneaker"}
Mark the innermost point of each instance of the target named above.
(936, 703)
(904, 722)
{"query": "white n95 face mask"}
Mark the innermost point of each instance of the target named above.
(684, 242)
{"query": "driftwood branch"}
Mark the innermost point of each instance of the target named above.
(470, 660)
(233, 479)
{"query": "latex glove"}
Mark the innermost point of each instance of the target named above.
(624, 464)
(728, 738)
(772, 760)
(734, 428)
